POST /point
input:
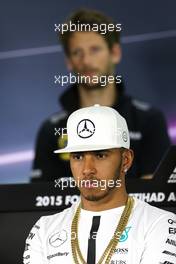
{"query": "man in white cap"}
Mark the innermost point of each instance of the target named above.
(106, 225)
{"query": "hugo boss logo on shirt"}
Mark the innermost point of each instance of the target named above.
(58, 239)
(85, 128)
(121, 250)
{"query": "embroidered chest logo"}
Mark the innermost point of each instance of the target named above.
(58, 239)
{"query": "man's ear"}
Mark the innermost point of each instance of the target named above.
(68, 64)
(128, 156)
(116, 53)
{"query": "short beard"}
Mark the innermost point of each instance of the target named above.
(98, 86)
(93, 87)
(94, 198)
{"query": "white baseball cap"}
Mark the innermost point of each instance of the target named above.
(96, 128)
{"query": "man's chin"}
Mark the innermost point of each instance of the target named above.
(92, 86)
(94, 195)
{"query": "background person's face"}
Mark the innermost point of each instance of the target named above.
(99, 166)
(89, 55)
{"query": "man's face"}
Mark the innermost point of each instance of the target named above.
(89, 55)
(97, 173)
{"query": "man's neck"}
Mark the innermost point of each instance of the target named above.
(103, 96)
(109, 202)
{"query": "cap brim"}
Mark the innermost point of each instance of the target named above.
(85, 148)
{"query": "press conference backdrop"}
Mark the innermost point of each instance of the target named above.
(30, 56)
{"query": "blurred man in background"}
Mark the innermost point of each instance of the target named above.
(94, 54)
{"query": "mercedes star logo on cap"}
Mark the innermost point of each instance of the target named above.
(125, 136)
(85, 128)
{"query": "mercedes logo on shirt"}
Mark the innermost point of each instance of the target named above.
(58, 239)
(85, 128)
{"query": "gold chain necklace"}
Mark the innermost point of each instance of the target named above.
(107, 254)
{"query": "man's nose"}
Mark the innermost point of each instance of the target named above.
(87, 58)
(89, 166)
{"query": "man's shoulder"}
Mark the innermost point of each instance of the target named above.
(57, 219)
(152, 215)
(144, 108)
(48, 225)
(140, 105)
(53, 122)
(55, 118)
(142, 114)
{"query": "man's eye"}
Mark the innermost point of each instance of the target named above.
(77, 156)
(76, 53)
(96, 49)
(101, 155)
